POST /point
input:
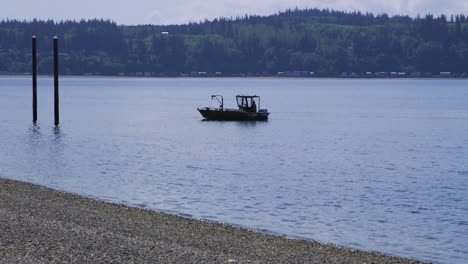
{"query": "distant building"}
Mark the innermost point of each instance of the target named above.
(300, 74)
(445, 74)
(199, 74)
(381, 74)
(165, 33)
(427, 74)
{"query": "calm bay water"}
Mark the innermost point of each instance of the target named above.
(379, 165)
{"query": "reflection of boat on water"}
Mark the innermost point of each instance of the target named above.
(247, 109)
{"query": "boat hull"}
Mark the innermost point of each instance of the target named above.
(232, 115)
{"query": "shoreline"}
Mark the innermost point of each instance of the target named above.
(42, 225)
(230, 77)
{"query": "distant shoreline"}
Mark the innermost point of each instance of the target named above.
(232, 77)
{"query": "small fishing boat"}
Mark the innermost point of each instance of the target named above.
(247, 109)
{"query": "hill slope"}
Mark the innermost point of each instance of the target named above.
(322, 41)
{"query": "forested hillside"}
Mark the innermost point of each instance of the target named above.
(312, 40)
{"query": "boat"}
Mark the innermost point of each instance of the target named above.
(247, 109)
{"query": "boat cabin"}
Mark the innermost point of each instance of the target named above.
(248, 102)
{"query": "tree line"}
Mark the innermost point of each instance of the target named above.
(321, 41)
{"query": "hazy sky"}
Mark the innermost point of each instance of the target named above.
(132, 12)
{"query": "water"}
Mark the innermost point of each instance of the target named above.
(378, 165)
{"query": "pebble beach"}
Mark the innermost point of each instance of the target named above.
(41, 225)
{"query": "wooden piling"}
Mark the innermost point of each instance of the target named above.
(56, 82)
(34, 78)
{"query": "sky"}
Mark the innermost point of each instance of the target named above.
(163, 12)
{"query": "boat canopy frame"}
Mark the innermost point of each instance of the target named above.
(245, 98)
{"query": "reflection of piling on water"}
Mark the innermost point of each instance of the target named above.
(56, 83)
(34, 78)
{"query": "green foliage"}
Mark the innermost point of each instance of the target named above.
(323, 41)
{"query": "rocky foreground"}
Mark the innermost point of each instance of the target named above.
(40, 225)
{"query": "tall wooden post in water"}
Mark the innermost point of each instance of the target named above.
(56, 82)
(34, 78)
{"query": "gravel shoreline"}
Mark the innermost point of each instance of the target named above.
(41, 225)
